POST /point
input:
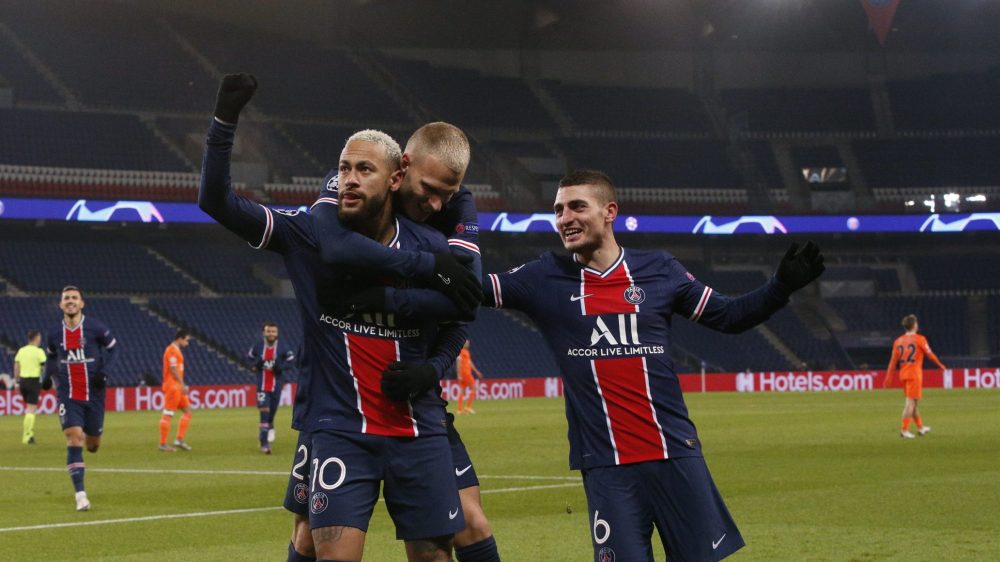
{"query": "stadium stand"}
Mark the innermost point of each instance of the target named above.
(496, 333)
(950, 162)
(630, 109)
(232, 324)
(956, 272)
(223, 268)
(141, 337)
(26, 82)
(947, 102)
(108, 267)
(942, 319)
(98, 67)
(83, 140)
(6, 362)
(787, 109)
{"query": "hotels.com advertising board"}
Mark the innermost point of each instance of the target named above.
(123, 399)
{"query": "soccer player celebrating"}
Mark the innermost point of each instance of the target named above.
(80, 352)
(175, 393)
(27, 369)
(434, 163)
(908, 353)
(269, 357)
(366, 408)
(467, 375)
(605, 312)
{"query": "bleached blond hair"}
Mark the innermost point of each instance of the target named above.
(445, 142)
(393, 154)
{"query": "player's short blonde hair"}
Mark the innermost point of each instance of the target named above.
(393, 154)
(445, 142)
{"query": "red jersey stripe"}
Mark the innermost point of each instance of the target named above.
(367, 358)
(267, 376)
(636, 434)
(79, 387)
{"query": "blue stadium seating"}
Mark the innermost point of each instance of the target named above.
(820, 109)
(6, 362)
(112, 54)
(224, 268)
(815, 352)
(993, 312)
(470, 99)
(729, 352)
(141, 337)
(630, 109)
(95, 267)
(956, 272)
(929, 162)
(944, 320)
(655, 163)
(496, 335)
(82, 140)
(29, 86)
(947, 102)
(233, 323)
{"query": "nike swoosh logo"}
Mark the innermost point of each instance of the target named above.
(452, 515)
(575, 298)
(463, 471)
(715, 544)
(445, 280)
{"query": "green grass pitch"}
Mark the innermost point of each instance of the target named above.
(813, 476)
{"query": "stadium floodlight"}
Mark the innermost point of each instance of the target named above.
(951, 200)
(978, 198)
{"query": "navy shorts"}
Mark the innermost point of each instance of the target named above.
(268, 400)
(88, 414)
(465, 473)
(677, 496)
(417, 476)
(297, 493)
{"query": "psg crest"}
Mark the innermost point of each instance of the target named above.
(606, 555)
(301, 493)
(635, 295)
(319, 503)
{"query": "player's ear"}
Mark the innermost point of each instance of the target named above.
(404, 162)
(610, 211)
(396, 179)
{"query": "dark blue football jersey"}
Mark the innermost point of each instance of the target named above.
(77, 355)
(342, 359)
(270, 362)
(610, 334)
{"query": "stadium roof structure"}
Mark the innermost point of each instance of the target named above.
(756, 25)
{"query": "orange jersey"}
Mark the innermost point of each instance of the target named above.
(908, 356)
(465, 366)
(172, 357)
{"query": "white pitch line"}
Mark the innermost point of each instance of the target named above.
(249, 472)
(136, 519)
(149, 470)
(233, 511)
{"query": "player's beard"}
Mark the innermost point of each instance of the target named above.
(364, 218)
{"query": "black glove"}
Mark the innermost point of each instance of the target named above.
(453, 278)
(46, 382)
(99, 381)
(800, 267)
(404, 381)
(371, 299)
(235, 92)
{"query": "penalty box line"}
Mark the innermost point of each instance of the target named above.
(231, 512)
